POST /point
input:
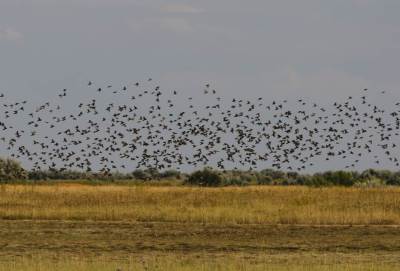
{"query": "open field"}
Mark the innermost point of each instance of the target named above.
(84, 228)
(189, 246)
(238, 205)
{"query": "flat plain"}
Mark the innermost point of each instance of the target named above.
(113, 227)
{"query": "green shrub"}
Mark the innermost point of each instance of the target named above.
(371, 182)
(36, 175)
(292, 175)
(153, 173)
(303, 180)
(368, 173)
(339, 177)
(264, 180)
(274, 174)
(171, 174)
(316, 180)
(234, 182)
(385, 175)
(53, 174)
(205, 177)
(141, 174)
(11, 170)
(394, 179)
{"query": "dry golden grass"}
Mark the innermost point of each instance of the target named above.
(241, 205)
(110, 227)
(172, 263)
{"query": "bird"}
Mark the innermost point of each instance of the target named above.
(154, 130)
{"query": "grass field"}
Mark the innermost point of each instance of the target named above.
(82, 227)
(238, 205)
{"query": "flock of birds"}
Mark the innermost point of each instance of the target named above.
(140, 125)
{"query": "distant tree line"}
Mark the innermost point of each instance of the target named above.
(12, 171)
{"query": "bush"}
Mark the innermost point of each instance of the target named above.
(394, 179)
(58, 175)
(38, 175)
(153, 173)
(368, 174)
(316, 180)
(141, 174)
(339, 177)
(205, 177)
(118, 176)
(292, 175)
(11, 170)
(371, 182)
(385, 175)
(274, 174)
(264, 180)
(171, 174)
(234, 181)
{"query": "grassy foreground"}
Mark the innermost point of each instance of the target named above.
(174, 264)
(110, 228)
(241, 205)
(100, 245)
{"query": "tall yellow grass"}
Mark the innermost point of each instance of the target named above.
(263, 205)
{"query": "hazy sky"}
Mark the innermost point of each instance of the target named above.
(273, 48)
(323, 50)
